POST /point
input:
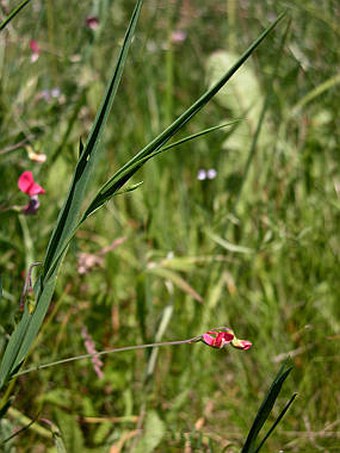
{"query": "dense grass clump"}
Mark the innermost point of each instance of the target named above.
(237, 227)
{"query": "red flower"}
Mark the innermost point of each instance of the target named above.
(27, 184)
(222, 336)
(218, 338)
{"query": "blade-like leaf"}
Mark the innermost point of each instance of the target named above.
(89, 155)
(277, 421)
(198, 134)
(25, 333)
(131, 167)
(266, 407)
(13, 13)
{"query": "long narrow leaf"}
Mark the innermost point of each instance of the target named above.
(266, 407)
(277, 421)
(28, 328)
(13, 13)
(130, 168)
(69, 215)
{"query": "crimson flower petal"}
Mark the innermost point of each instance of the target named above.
(27, 184)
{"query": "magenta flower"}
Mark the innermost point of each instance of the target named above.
(27, 184)
(222, 336)
(217, 338)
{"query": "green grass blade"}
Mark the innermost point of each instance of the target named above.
(13, 13)
(131, 167)
(28, 328)
(277, 421)
(266, 407)
(197, 135)
(69, 216)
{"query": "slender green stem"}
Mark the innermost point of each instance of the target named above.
(109, 351)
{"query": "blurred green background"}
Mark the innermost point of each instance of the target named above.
(254, 248)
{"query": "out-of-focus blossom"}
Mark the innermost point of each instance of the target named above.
(32, 206)
(91, 349)
(87, 261)
(203, 174)
(178, 36)
(35, 49)
(35, 157)
(92, 22)
(49, 95)
(27, 184)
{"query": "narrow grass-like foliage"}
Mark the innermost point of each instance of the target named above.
(68, 220)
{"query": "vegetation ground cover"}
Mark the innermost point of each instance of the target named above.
(238, 227)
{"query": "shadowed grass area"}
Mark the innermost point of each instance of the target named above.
(254, 248)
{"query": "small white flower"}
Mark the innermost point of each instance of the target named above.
(206, 174)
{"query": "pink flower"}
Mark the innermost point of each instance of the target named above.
(35, 48)
(92, 22)
(222, 336)
(178, 36)
(27, 184)
(218, 338)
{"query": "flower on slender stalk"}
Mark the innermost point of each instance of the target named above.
(28, 186)
(218, 338)
(221, 337)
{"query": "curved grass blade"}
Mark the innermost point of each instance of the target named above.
(266, 407)
(130, 168)
(277, 421)
(28, 328)
(13, 13)
(134, 186)
(89, 154)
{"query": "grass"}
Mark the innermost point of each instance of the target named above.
(257, 244)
